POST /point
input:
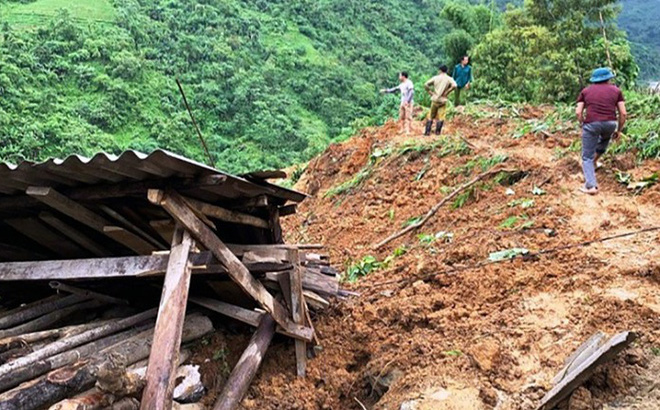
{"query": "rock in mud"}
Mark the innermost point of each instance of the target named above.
(581, 399)
(486, 354)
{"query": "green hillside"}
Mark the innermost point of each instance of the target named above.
(640, 20)
(270, 82)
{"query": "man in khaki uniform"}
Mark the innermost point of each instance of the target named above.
(439, 87)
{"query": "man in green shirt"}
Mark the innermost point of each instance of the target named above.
(463, 76)
(439, 88)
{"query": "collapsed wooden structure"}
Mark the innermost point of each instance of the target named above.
(104, 231)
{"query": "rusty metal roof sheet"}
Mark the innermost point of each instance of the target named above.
(129, 166)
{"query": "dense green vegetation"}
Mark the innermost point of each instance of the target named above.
(271, 82)
(640, 20)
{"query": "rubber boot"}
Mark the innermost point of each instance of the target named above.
(429, 125)
(438, 127)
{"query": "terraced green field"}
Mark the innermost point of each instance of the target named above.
(34, 13)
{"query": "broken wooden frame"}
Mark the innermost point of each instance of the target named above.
(141, 218)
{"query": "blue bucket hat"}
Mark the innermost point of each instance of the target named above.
(601, 74)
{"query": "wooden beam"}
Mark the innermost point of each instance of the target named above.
(130, 225)
(57, 201)
(161, 371)
(74, 234)
(115, 190)
(288, 210)
(226, 215)
(260, 201)
(274, 224)
(61, 203)
(298, 310)
(129, 240)
(240, 378)
(44, 236)
(247, 316)
(164, 228)
(115, 267)
(174, 204)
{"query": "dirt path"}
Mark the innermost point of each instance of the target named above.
(485, 338)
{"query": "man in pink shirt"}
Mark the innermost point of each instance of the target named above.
(601, 100)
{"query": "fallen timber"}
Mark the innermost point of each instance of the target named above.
(107, 230)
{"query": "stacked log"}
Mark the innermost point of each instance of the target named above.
(81, 375)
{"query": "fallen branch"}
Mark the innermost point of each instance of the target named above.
(439, 205)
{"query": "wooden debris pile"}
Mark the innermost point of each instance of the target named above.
(142, 250)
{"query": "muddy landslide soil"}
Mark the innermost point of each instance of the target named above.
(424, 334)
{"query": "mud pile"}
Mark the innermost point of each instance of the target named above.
(426, 332)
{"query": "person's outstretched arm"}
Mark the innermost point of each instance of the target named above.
(391, 90)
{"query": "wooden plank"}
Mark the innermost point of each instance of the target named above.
(226, 215)
(260, 201)
(177, 207)
(74, 234)
(298, 310)
(44, 236)
(113, 189)
(68, 207)
(247, 316)
(164, 228)
(266, 174)
(581, 372)
(131, 226)
(129, 240)
(61, 203)
(240, 378)
(88, 294)
(161, 371)
(288, 210)
(116, 267)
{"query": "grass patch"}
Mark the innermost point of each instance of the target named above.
(40, 11)
(463, 198)
(369, 264)
(516, 223)
(347, 186)
(483, 163)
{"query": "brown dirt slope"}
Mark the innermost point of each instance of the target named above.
(484, 338)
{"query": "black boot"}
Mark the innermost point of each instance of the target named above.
(429, 125)
(438, 127)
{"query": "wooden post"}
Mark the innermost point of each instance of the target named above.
(274, 223)
(176, 206)
(247, 366)
(298, 309)
(161, 370)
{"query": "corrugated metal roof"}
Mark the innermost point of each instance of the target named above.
(129, 166)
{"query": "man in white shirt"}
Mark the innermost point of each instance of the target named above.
(407, 90)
